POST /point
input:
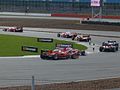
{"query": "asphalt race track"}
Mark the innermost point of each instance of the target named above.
(96, 65)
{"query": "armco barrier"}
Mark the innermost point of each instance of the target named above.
(25, 14)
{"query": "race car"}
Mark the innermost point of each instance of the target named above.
(110, 46)
(82, 37)
(14, 29)
(62, 51)
(66, 34)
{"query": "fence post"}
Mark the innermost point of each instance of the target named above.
(33, 83)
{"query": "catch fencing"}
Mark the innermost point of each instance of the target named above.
(48, 6)
(35, 84)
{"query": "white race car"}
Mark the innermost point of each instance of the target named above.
(66, 34)
(14, 29)
(83, 37)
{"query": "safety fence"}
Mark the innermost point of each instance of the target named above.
(48, 6)
(35, 84)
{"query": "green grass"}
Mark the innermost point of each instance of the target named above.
(10, 45)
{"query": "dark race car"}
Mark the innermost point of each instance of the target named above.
(82, 37)
(110, 46)
(14, 29)
(66, 34)
(62, 51)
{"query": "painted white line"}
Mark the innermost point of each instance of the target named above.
(31, 56)
(27, 56)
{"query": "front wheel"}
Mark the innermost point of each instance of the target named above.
(101, 49)
(55, 57)
(42, 57)
(58, 35)
(4, 29)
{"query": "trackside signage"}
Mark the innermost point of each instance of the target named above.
(64, 45)
(29, 48)
(95, 3)
(45, 39)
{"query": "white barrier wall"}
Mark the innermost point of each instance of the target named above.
(23, 14)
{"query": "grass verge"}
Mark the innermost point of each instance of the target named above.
(10, 45)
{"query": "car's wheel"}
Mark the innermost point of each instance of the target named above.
(55, 57)
(41, 56)
(58, 35)
(101, 49)
(117, 48)
(87, 40)
(67, 36)
(74, 56)
(83, 53)
(73, 38)
(114, 49)
(67, 57)
(4, 29)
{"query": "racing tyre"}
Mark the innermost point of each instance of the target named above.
(117, 48)
(41, 56)
(5, 30)
(114, 50)
(58, 35)
(101, 49)
(74, 56)
(83, 53)
(87, 40)
(73, 38)
(55, 57)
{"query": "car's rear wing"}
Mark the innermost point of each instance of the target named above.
(61, 45)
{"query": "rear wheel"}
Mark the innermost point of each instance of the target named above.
(73, 38)
(4, 29)
(114, 49)
(74, 56)
(87, 40)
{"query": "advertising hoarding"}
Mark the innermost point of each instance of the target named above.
(95, 3)
(29, 48)
(45, 39)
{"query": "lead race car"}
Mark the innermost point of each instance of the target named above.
(62, 51)
(14, 29)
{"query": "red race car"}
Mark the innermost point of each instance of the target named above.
(62, 51)
(14, 29)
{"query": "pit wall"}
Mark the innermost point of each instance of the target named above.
(82, 16)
